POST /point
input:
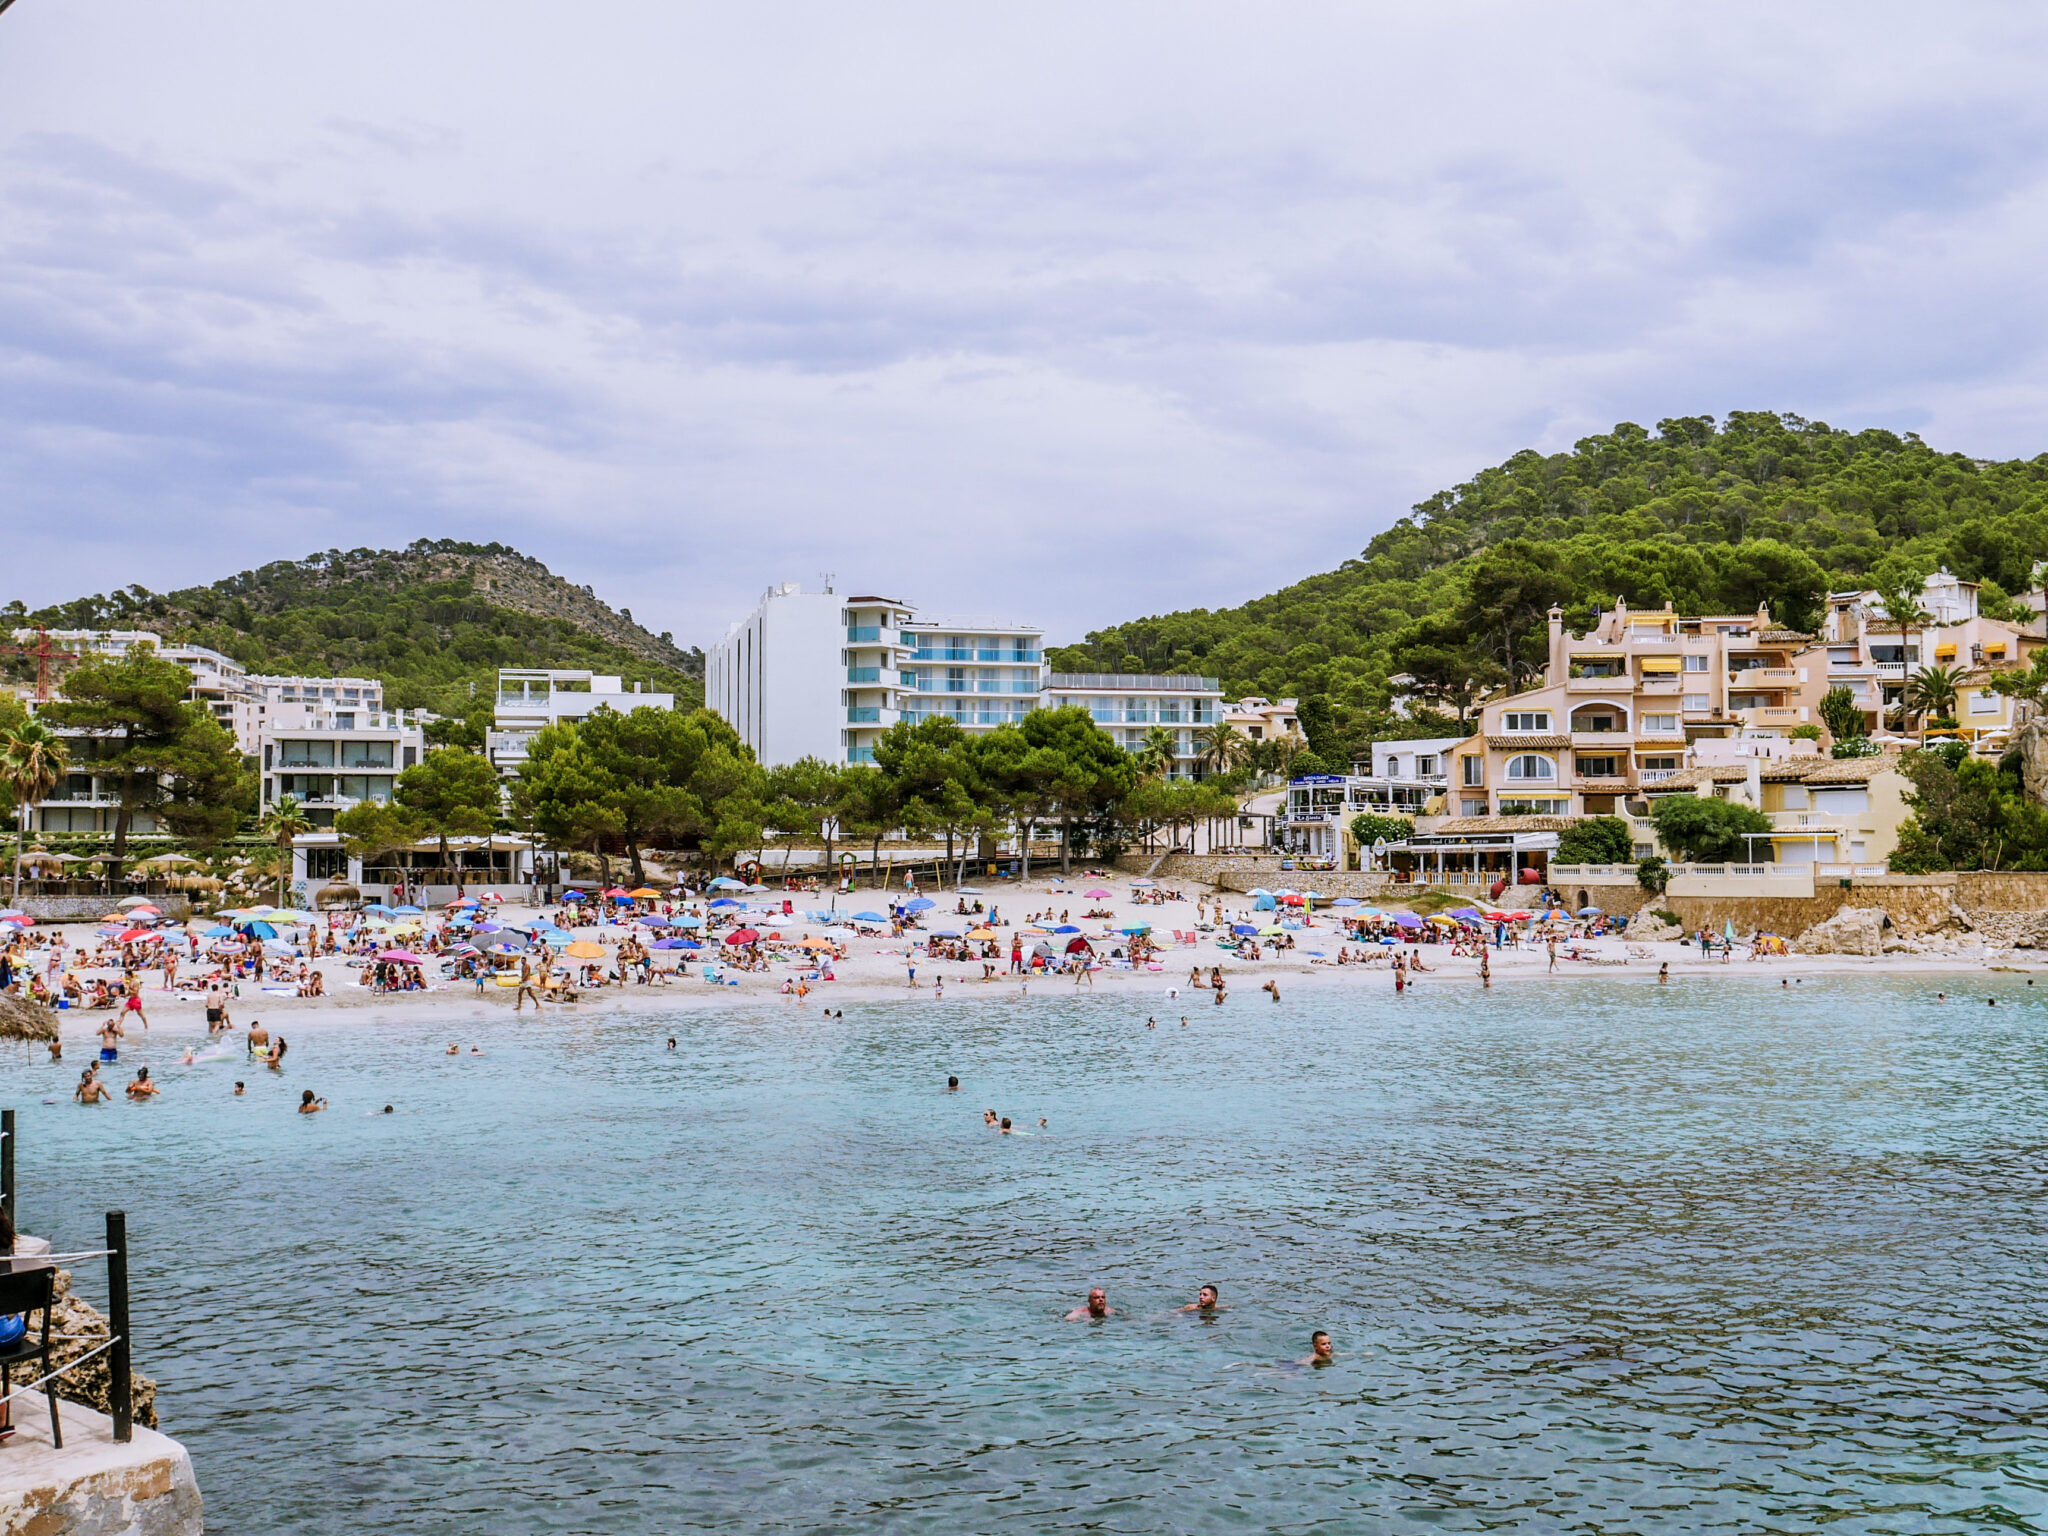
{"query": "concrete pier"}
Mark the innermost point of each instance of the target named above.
(93, 1487)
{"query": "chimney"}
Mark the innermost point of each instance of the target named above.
(1554, 673)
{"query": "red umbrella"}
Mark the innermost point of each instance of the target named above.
(134, 935)
(617, 890)
(742, 936)
(1076, 944)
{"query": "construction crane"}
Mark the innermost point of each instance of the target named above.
(44, 656)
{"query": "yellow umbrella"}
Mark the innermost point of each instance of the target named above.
(643, 894)
(814, 944)
(583, 949)
(981, 933)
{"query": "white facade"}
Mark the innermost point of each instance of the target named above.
(330, 761)
(818, 674)
(530, 699)
(1406, 776)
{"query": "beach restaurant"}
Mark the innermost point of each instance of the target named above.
(1475, 851)
(418, 872)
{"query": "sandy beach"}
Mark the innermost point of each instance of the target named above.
(879, 967)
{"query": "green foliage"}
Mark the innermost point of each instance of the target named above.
(1806, 730)
(1968, 814)
(1653, 875)
(411, 618)
(1596, 840)
(167, 756)
(1712, 517)
(1319, 728)
(1704, 831)
(1367, 829)
(1855, 746)
(1307, 762)
(1838, 708)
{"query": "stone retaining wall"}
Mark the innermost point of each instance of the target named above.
(76, 909)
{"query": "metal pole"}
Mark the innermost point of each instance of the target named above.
(7, 1163)
(120, 1379)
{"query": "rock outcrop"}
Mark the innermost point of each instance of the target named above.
(1851, 931)
(2032, 746)
(1648, 928)
(21, 1019)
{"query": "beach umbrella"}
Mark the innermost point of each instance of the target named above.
(1269, 930)
(507, 947)
(643, 893)
(410, 910)
(18, 920)
(1590, 912)
(465, 950)
(652, 920)
(869, 917)
(1066, 928)
(135, 935)
(743, 936)
(727, 883)
(583, 949)
(401, 956)
(219, 931)
(1406, 920)
(491, 896)
(776, 920)
(463, 901)
(133, 901)
(970, 890)
(725, 901)
(1447, 922)
(616, 891)
(947, 933)
(1347, 901)
(1076, 945)
(1143, 885)
(1289, 899)
(1258, 890)
(919, 904)
(1243, 928)
(813, 943)
(572, 896)
(981, 933)
(686, 922)
(1097, 895)
(675, 944)
(13, 912)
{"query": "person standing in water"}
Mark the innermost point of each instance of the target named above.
(1096, 1306)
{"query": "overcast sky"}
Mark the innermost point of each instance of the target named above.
(1066, 313)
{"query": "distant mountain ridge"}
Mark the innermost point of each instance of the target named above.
(432, 621)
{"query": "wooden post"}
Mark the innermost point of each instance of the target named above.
(120, 1371)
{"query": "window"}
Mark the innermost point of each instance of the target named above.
(1425, 767)
(1530, 766)
(1471, 807)
(1984, 702)
(1696, 663)
(1525, 805)
(1525, 721)
(1667, 764)
(1660, 725)
(1598, 767)
(1699, 702)
(1475, 770)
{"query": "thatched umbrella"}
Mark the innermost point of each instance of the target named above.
(335, 894)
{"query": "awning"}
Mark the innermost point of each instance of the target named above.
(1660, 664)
(1599, 655)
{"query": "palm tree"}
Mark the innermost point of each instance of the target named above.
(1159, 753)
(1222, 747)
(1932, 691)
(283, 823)
(1900, 600)
(32, 760)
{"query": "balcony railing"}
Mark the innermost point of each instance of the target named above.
(863, 714)
(863, 674)
(863, 634)
(1622, 684)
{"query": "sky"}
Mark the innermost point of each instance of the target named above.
(1061, 313)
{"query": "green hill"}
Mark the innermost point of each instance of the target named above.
(1710, 517)
(433, 622)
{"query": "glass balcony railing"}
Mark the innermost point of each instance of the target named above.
(863, 674)
(863, 714)
(860, 754)
(863, 634)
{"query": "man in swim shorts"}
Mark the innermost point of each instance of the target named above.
(110, 1040)
(1096, 1306)
(216, 1006)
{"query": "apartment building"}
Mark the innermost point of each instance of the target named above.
(1259, 719)
(1823, 811)
(1405, 779)
(530, 699)
(819, 674)
(1864, 650)
(329, 760)
(1621, 704)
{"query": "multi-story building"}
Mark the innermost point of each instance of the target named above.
(1620, 705)
(330, 760)
(1258, 719)
(1822, 810)
(219, 683)
(816, 674)
(1130, 706)
(1406, 779)
(1864, 650)
(530, 699)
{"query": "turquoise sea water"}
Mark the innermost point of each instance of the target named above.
(1716, 1256)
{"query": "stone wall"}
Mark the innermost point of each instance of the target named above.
(1242, 872)
(76, 909)
(2002, 890)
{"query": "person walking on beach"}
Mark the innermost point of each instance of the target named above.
(526, 987)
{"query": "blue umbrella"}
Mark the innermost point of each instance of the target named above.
(1347, 901)
(218, 933)
(918, 904)
(869, 917)
(1244, 928)
(1067, 928)
(686, 922)
(673, 944)
(489, 927)
(257, 926)
(725, 901)
(954, 933)
(572, 896)
(1591, 912)
(654, 920)
(416, 911)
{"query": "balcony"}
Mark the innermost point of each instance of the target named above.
(863, 714)
(1602, 784)
(863, 634)
(1664, 682)
(1622, 685)
(1891, 669)
(1764, 677)
(1603, 741)
(863, 674)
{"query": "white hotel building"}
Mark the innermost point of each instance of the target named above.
(815, 674)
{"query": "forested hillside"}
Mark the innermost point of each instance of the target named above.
(434, 622)
(1710, 516)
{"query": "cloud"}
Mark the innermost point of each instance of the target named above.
(1079, 314)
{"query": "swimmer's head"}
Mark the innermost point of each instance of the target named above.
(1206, 1296)
(1098, 1301)
(388, 1110)
(1006, 1122)
(306, 1097)
(1319, 1344)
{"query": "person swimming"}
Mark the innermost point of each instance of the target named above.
(240, 1089)
(142, 1087)
(1319, 1352)
(952, 1085)
(308, 1105)
(1205, 1302)
(1096, 1306)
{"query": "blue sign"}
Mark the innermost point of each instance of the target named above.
(1319, 778)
